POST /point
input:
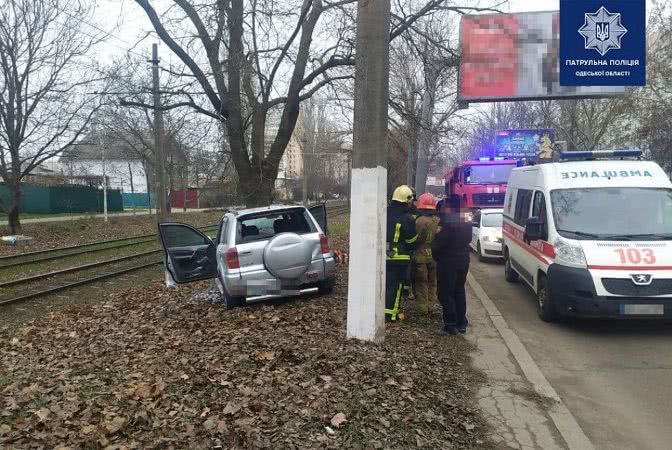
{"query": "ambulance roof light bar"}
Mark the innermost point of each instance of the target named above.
(595, 154)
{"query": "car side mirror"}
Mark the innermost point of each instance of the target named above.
(534, 230)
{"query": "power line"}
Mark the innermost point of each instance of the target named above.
(95, 27)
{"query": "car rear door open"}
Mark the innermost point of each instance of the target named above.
(319, 212)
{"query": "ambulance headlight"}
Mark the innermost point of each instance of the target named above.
(568, 252)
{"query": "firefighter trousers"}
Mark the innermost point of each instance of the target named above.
(394, 287)
(424, 285)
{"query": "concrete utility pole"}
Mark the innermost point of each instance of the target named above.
(366, 286)
(160, 182)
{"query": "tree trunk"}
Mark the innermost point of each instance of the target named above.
(425, 135)
(13, 213)
(257, 187)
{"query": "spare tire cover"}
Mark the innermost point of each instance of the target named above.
(287, 256)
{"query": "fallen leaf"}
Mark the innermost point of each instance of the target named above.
(43, 414)
(4, 429)
(221, 426)
(209, 424)
(88, 429)
(143, 390)
(231, 408)
(330, 431)
(468, 426)
(246, 422)
(115, 425)
(386, 423)
(338, 420)
(265, 356)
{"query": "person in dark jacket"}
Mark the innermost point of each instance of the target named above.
(450, 250)
(401, 241)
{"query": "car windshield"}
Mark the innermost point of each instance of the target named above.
(492, 220)
(263, 226)
(613, 213)
(488, 174)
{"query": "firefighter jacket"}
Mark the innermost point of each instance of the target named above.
(426, 226)
(401, 234)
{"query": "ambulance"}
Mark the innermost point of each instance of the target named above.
(591, 235)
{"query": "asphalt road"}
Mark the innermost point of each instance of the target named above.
(614, 376)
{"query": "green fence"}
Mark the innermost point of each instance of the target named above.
(37, 199)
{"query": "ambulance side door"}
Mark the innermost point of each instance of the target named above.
(522, 259)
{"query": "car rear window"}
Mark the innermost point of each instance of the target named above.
(265, 225)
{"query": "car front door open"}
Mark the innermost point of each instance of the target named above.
(190, 254)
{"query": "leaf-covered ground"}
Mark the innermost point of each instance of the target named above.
(155, 368)
(48, 235)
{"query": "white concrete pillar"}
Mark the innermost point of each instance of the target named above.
(368, 193)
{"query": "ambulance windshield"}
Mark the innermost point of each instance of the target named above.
(613, 213)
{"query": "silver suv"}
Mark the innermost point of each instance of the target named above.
(273, 251)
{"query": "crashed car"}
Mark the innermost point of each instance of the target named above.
(258, 253)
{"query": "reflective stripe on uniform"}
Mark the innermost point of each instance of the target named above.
(412, 240)
(395, 248)
(395, 310)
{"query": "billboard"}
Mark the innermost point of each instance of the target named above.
(525, 144)
(515, 57)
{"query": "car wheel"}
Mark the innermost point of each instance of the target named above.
(326, 286)
(545, 307)
(231, 301)
(510, 274)
(479, 252)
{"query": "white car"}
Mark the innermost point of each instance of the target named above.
(486, 233)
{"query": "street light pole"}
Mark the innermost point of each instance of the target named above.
(101, 140)
(104, 186)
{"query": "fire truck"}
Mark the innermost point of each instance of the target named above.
(480, 183)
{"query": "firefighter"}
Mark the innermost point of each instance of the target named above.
(401, 239)
(424, 267)
(408, 291)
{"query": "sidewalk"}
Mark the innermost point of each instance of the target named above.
(523, 410)
(96, 216)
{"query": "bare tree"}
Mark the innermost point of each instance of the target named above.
(248, 57)
(43, 73)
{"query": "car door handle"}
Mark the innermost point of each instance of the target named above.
(249, 252)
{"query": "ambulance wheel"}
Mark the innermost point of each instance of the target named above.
(510, 274)
(545, 307)
(479, 252)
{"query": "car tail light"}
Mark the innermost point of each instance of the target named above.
(324, 244)
(232, 258)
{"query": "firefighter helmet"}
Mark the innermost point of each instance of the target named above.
(426, 201)
(403, 194)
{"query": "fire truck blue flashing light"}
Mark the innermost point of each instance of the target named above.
(630, 153)
(487, 158)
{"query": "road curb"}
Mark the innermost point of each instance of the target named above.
(563, 419)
